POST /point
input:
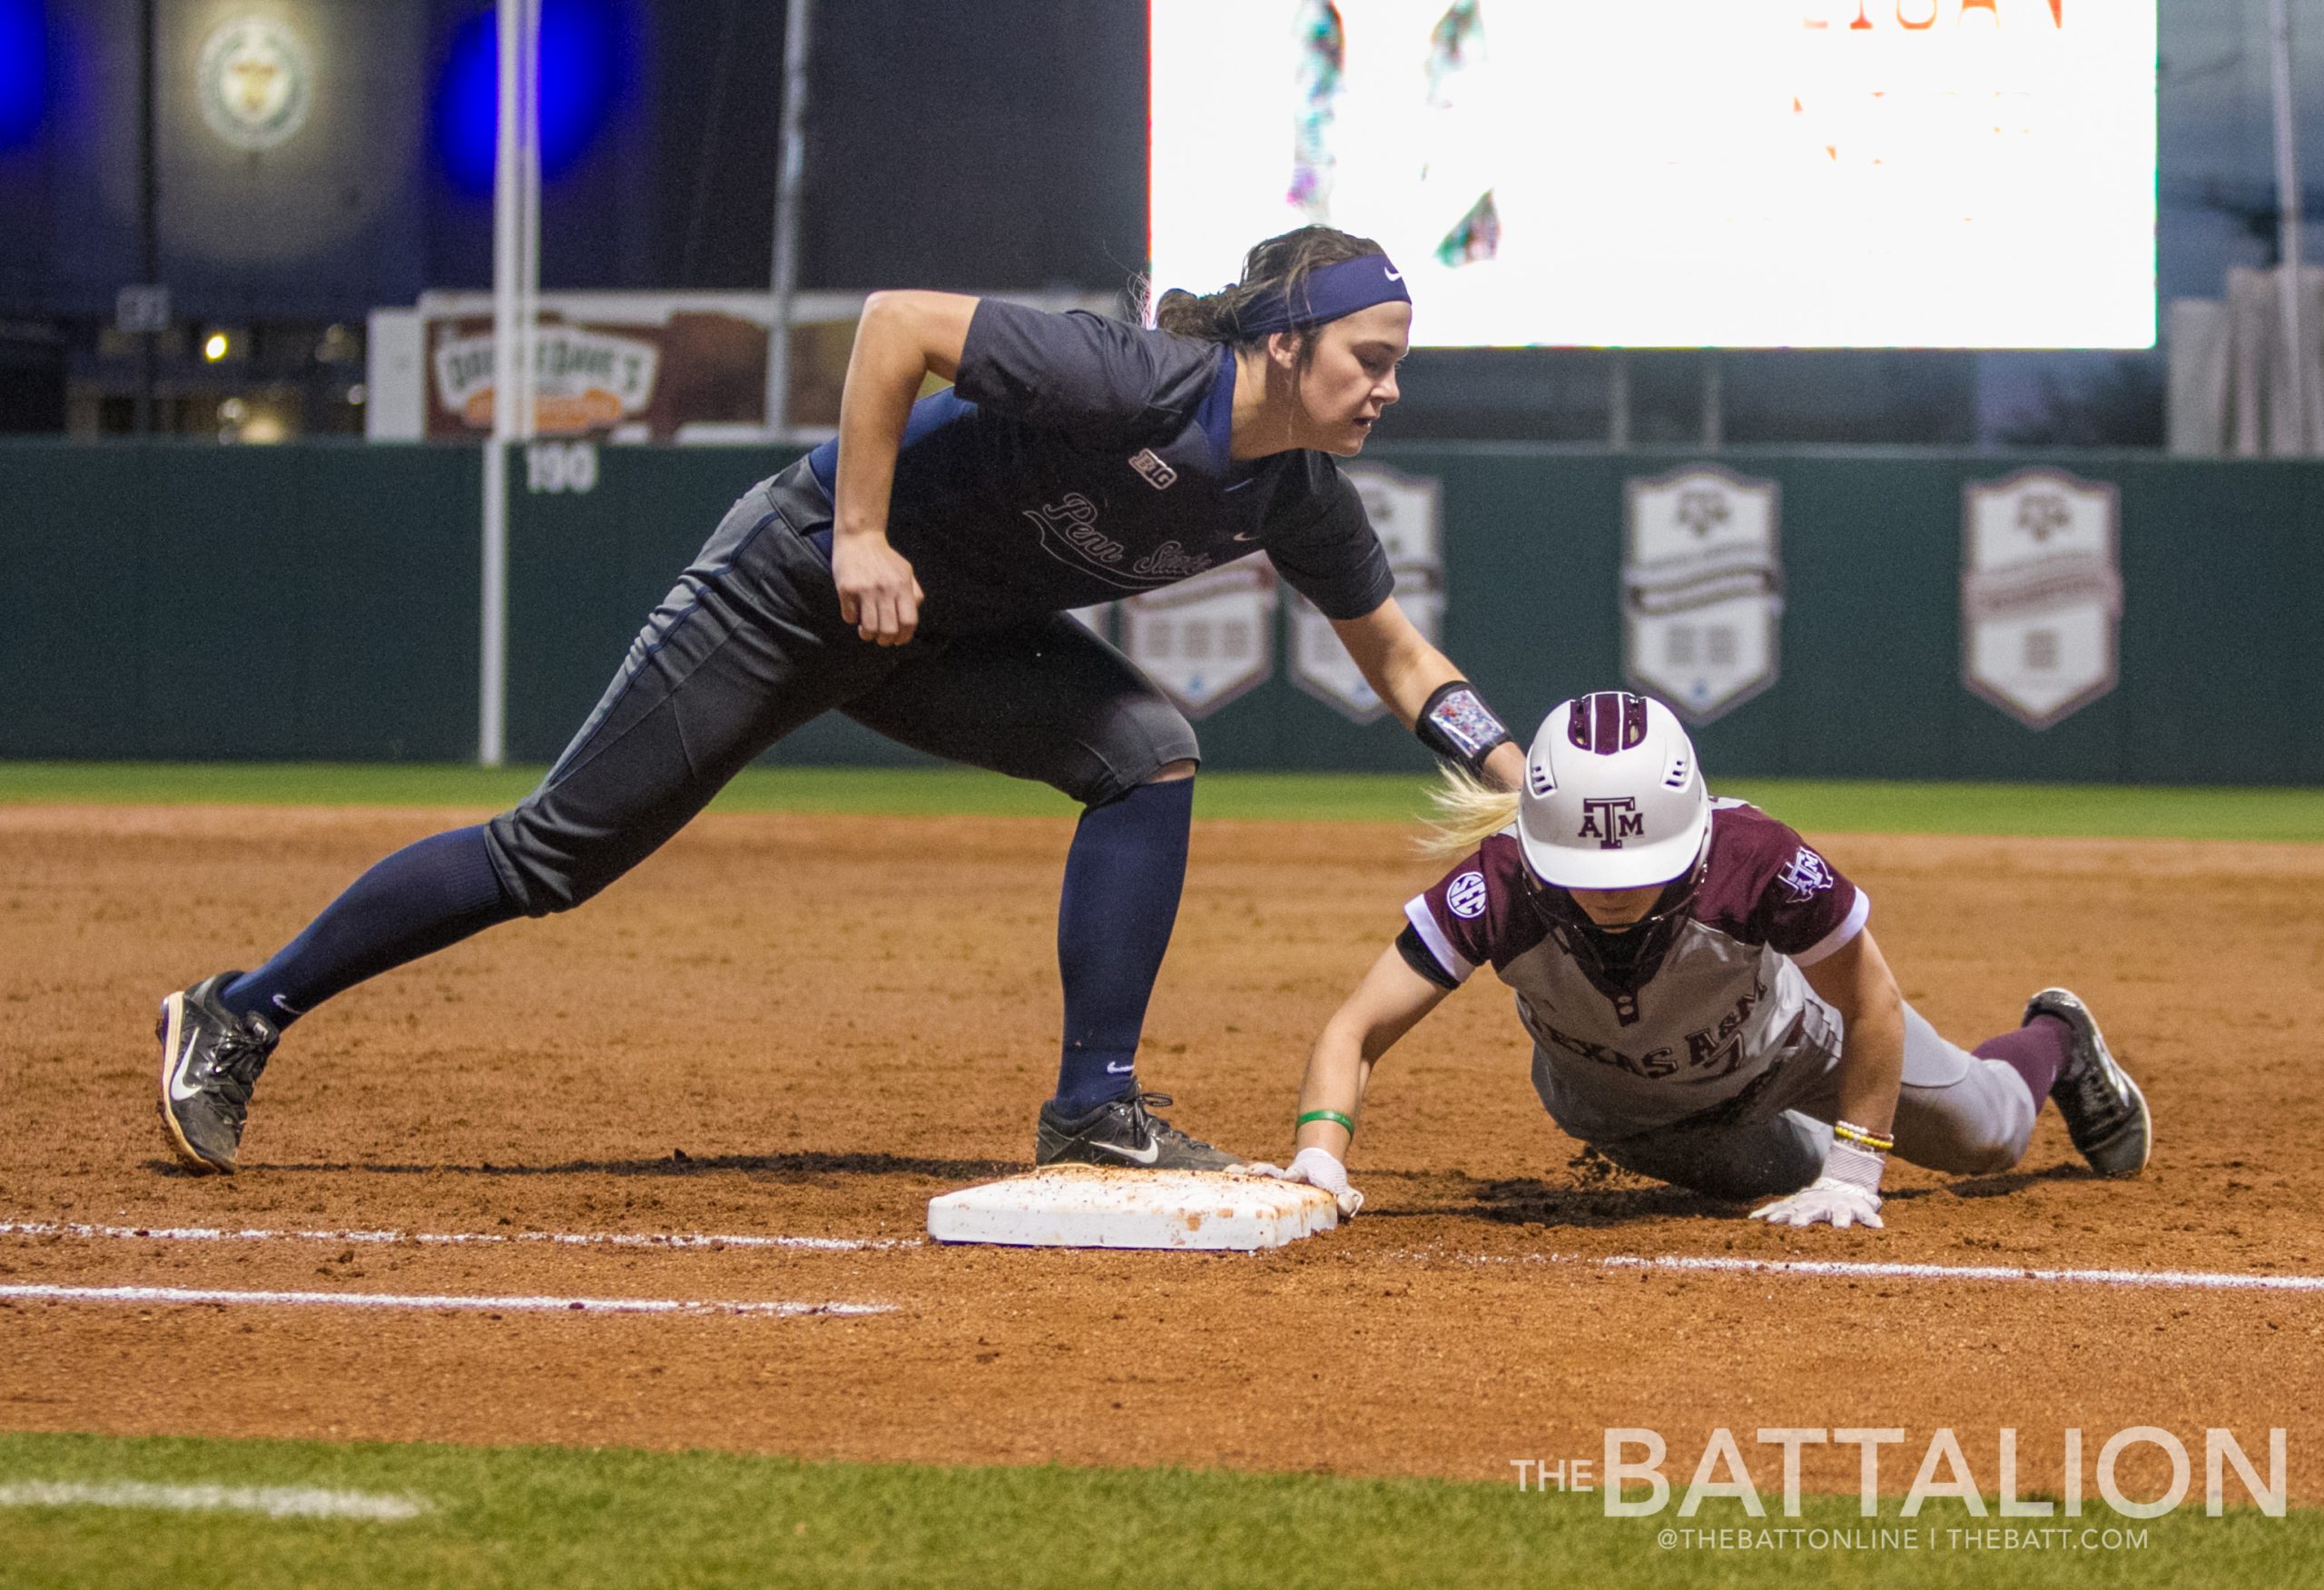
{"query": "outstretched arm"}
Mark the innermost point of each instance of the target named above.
(1854, 981)
(1398, 662)
(1387, 1004)
(902, 339)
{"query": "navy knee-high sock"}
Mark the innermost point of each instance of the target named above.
(420, 900)
(1122, 879)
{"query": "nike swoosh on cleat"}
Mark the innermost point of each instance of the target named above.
(1152, 1152)
(177, 1071)
(1119, 1071)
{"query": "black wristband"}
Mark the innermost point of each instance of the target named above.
(1459, 726)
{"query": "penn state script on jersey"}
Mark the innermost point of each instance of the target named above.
(1725, 1001)
(1077, 460)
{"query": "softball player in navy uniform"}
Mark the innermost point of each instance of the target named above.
(1705, 1002)
(915, 575)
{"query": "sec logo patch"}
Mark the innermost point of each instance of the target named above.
(1466, 895)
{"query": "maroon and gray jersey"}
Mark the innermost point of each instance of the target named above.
(1725, 1001)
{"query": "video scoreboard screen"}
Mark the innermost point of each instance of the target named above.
(1742, 173)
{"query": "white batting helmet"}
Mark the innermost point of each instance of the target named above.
(1614, 796)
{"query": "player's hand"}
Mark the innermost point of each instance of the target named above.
(878, 592)
(1829, 1202)
(1317, 1168)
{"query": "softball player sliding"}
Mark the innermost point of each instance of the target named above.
(915, 575)
(1707, 1004)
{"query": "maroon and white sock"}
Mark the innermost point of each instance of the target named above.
(2037, 1052)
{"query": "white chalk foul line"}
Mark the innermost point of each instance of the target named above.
(269, 1501)
(2213, 1281)
(532, 1305)
(1849, 1269)
(674, 1241)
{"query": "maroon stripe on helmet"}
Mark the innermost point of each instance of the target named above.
(1606, 722)
(1579, 717)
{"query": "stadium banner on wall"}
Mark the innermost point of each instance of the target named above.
(633, 379)
(686, 367)
(1204, 640)
(2041, 593)
(1408, 513)
(1702, 588)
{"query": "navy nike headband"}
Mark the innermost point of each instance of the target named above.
(1329, 293)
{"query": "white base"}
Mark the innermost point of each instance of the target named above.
(1082, 1205)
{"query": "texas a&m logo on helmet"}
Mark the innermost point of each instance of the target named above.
(1612, 821)
(1614, 798)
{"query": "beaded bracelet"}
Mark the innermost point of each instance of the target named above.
(1871, 1142)
(1332, 1115)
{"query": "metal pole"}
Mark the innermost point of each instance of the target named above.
(529, 260)
(148, 207)
(1617, 399)
(515, 281)
(1714, 399)
(2289, 221)
(783, 288)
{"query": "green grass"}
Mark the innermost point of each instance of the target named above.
(571, 1518)
(2139, 812)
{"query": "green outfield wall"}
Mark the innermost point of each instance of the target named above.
(320, 602)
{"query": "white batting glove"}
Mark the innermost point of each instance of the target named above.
(1847, 1194)
(1317, 1168)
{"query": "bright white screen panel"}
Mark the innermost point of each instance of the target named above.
(1745, 173)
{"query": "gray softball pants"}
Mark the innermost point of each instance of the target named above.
(749, 644)
(1956, 1112)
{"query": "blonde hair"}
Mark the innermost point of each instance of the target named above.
(1468, 812)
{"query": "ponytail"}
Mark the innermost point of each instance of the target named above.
(1276, 269)
(1469, 812)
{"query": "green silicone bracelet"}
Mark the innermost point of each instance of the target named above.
(1328, 1115)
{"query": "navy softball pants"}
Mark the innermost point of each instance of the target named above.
(749, 644)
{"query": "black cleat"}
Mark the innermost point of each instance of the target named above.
(2104, 1112)
(210, 1059)
(1124, 1132)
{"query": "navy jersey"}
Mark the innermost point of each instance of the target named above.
(1078, 460)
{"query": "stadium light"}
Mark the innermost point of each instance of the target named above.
(23, 71)
(583, 50)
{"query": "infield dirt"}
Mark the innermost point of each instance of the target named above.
(809, 1026)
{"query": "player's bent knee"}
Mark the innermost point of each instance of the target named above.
(1737, 1168)
(545, 873)
(1147, 740)
(1776, 1174)
(1963, 1151)
(1980, 1128)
